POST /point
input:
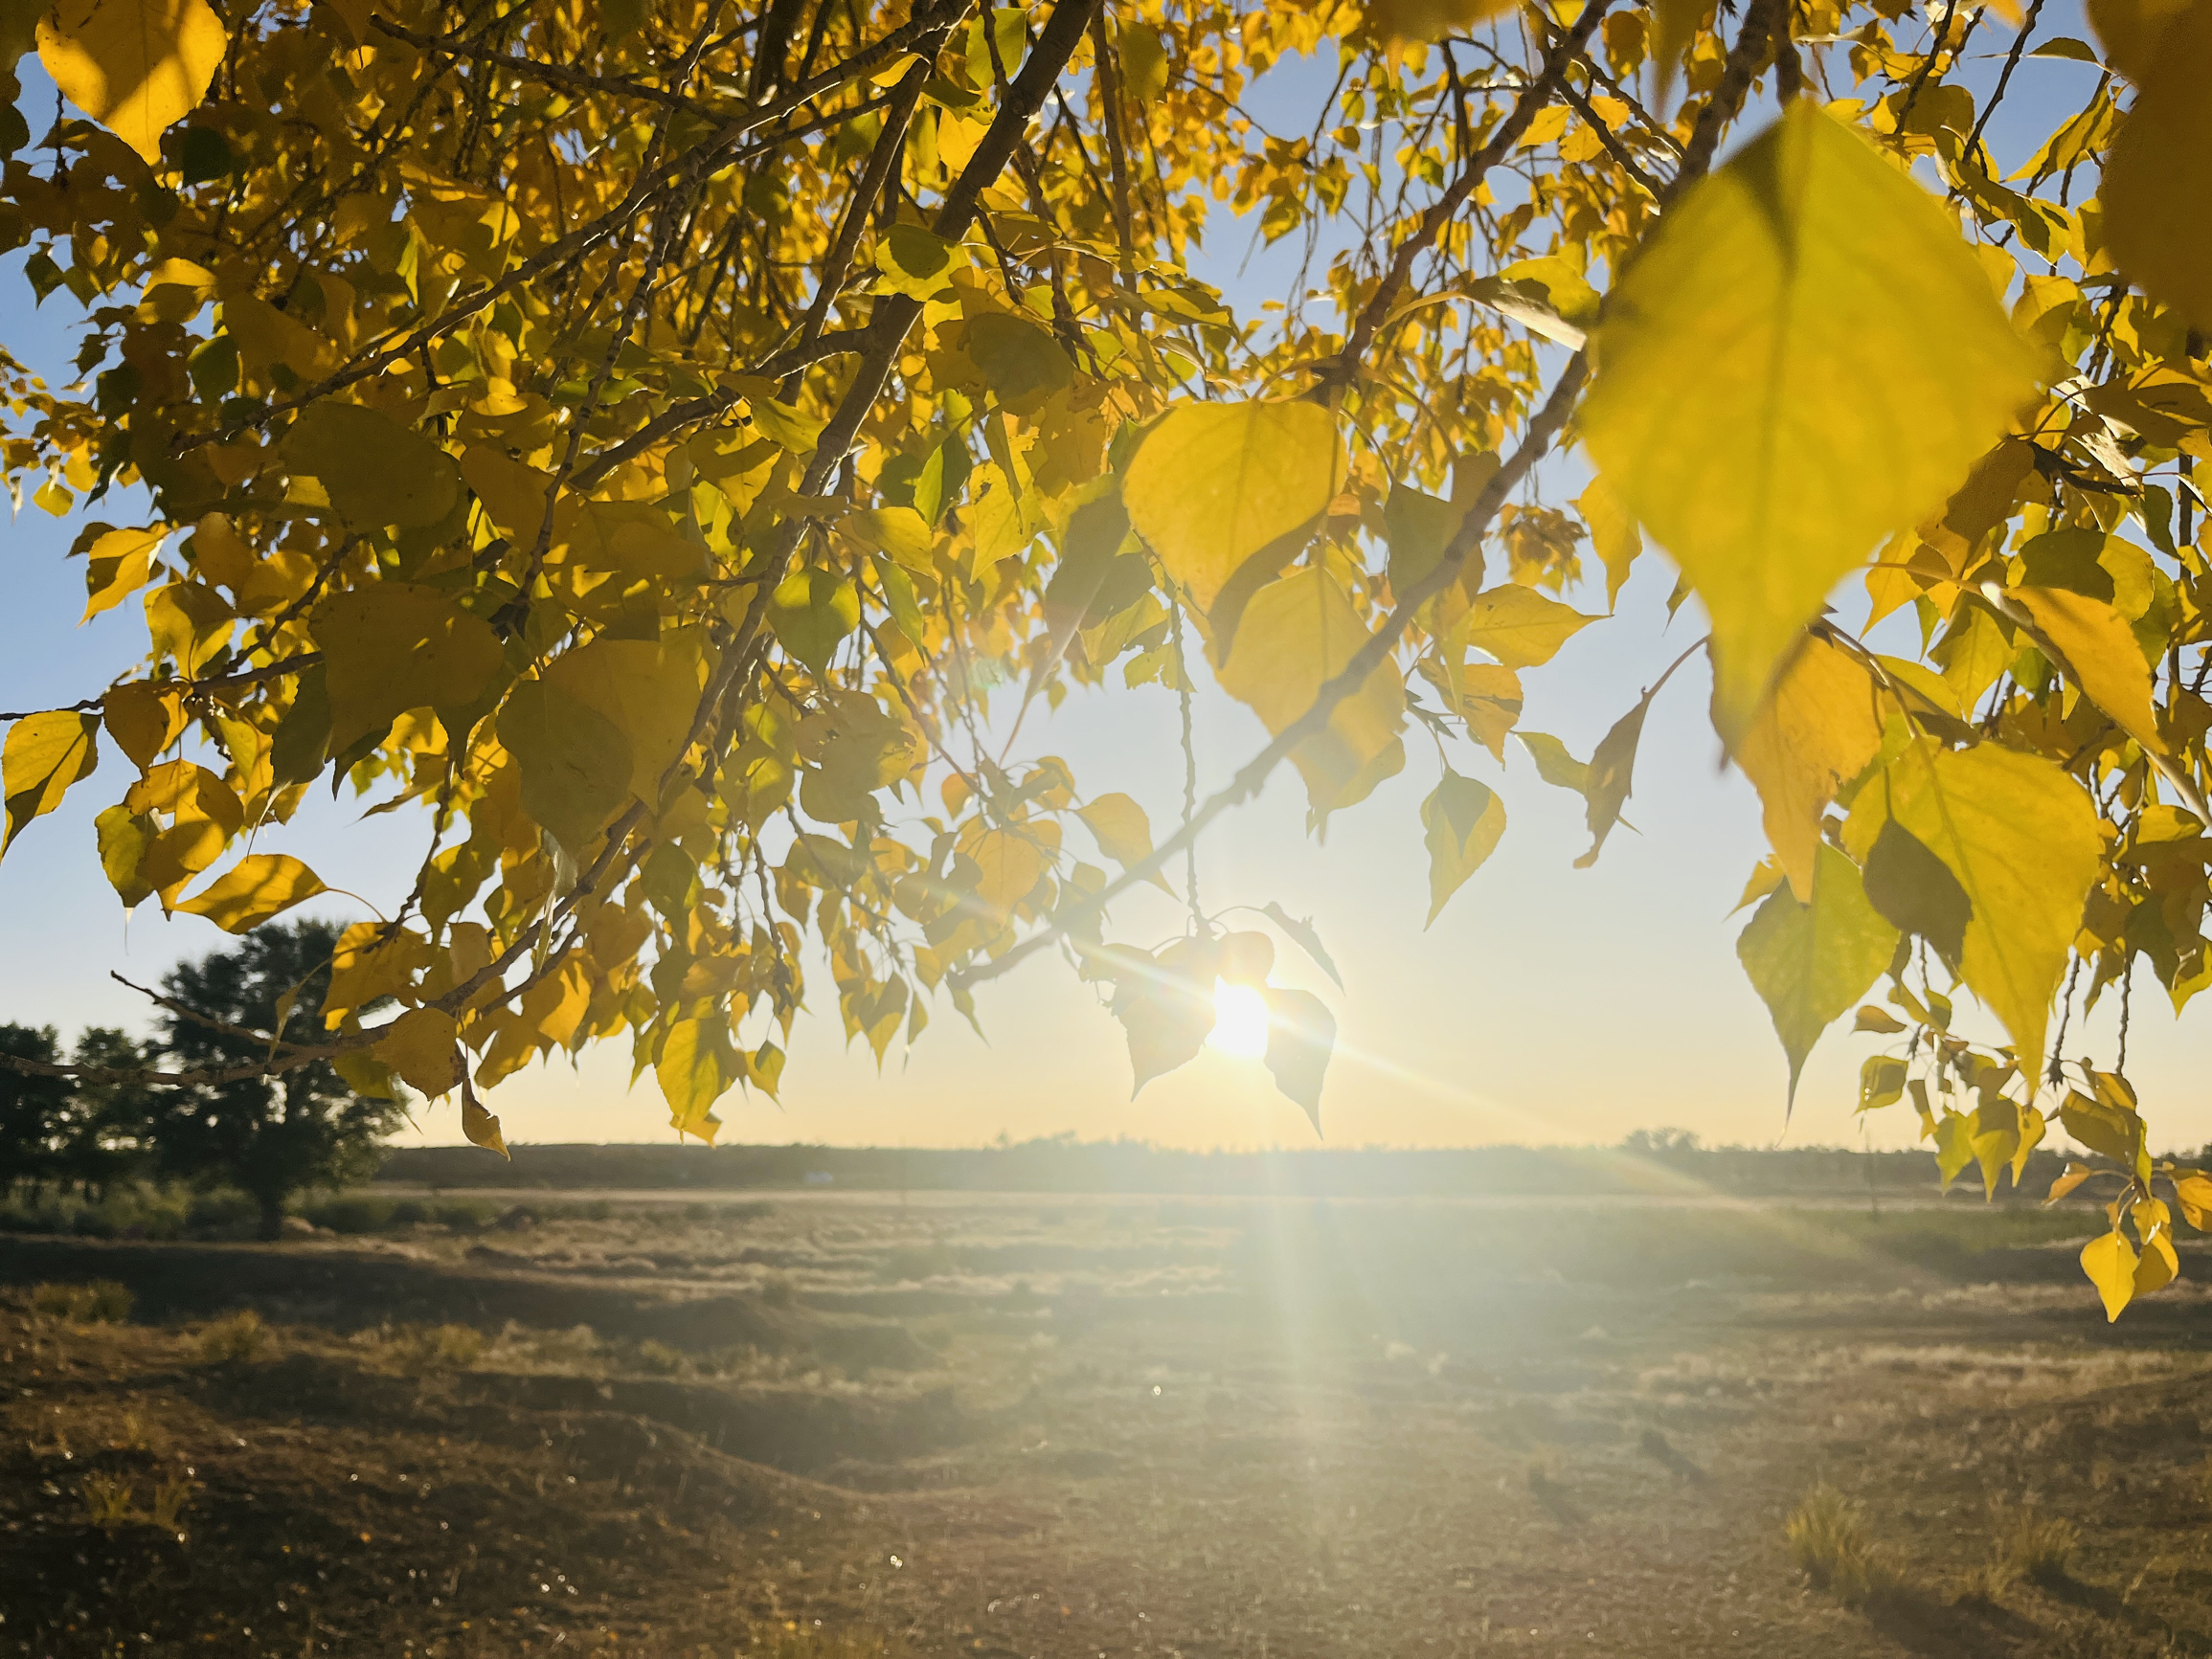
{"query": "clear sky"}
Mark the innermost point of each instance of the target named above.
(1548, 1005)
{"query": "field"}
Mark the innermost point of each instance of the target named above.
(809, 1424)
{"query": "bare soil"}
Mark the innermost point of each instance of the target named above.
(975, 1425)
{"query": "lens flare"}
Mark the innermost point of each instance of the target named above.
(1239, 1022)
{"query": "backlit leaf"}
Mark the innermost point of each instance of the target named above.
(1554, 763)
(1214, 482)
(1817, 729)
(135, 66)
(1519, 626)
(43, 755)
(1611, 770)
(1778, 387)
(647, 689)
(479, 1126)
(1300, 931)
(1165, 1005)
(576, 764)
(2193, 1192)
(1302, 1036)
(1811, 962)
(2019, 836)
(253, 890)
(118, 565)
(1612, 533)
(1297, 633)
(2097, 651)
(697, 1066)
(1463, 819)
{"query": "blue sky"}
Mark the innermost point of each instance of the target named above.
(1547, 1003)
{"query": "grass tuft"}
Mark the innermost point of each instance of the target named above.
(2038, 1547)
(421, 1349)
(1828, 1538)
(236, 1340)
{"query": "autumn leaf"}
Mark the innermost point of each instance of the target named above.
(1817, 729)
(1302, 1038)
(396, 646)
(1464, 820)
(1777, 389)
(2111, 1262)
(255, 888)
(135, 66)
(422, 1045)
(1809, 962)
(1519, 626)
(1297, 634)
(42, 756)
(1214, 483)
(375, 471)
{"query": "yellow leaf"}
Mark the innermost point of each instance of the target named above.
(143, 719)
(2157, 1266)
(1811, 962)
(1297, 633)
(914, 263)
(135, 66)
(423, 1046)
(1673, 26)
(1817, 729)
(2075, 1174)
(647, 689)
(44, 754)
(1123, 831)
(2021, 839)
(1011, 862)
(1613, 532)
(1780, 385)
(1463, 820)
(480, 1127)
(2194, 1193)
(1165, 1005)
(123, 839)
(2097, 651)
(696, 1067)
(2109, 1262)
(514, 493)
(575, 763)
(375, 471)
(119, 564)
(255, 889)
(1213, 484)
(1518, 625)
(188, 623)
(396, 646)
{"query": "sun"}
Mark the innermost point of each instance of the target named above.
(1240, 1022)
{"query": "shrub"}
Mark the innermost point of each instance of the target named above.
(421, 1349)
(1827, 1536)
(236, 1340)
(659, 1358)
(103, 1302)
(351, 1215)
(465, 1218)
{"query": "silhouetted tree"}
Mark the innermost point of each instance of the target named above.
(30, 1106)
(267, 1136)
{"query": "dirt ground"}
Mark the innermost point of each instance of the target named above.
(998, 1426)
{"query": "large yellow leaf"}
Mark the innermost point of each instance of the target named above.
(118, 565)
(422, 1045)
(44, 754)
(1804, 358)
(2109, 1262)
(2131, 32)
(647, 689)
(1404, 21)
(135, 66)
(375, 471)
(575, 763)
(1810, 961)
(2161, 160)
(2021, 839)
(396, 646)
(1818, 730)
(1296, 636)
(1214, 482)
(255, 889)
(696, 1067)
(1123, 831)
(1010, 861)
(1518, 625)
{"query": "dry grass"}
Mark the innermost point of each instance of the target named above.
(1828, 1538)
(418, 1349)
(794, 1640)
(101, 1302)
(2038, 1547)
(108, 1503)
(235, 1340)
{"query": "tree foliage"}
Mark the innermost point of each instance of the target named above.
(657, 439)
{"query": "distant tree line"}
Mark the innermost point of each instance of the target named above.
(266, 1136)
